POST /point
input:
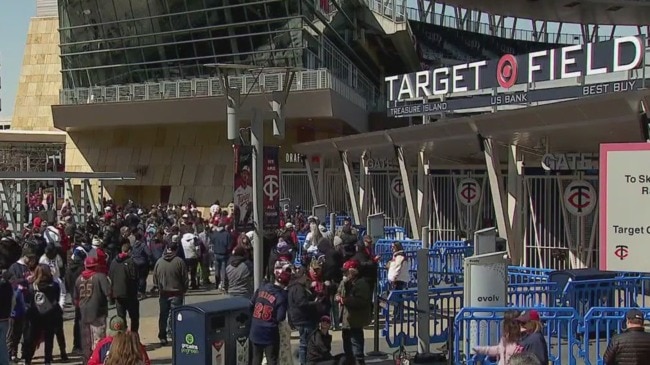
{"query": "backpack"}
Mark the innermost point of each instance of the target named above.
(41, 302)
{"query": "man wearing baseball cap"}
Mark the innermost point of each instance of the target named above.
(631, 347)
(116, 325)
(355, 298)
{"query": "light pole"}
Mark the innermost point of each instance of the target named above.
(235, 101)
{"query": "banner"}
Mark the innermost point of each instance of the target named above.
(243, 185)
(271, 187)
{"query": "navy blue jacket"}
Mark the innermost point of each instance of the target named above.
(221, 242)
(535, 343)
(269, 309)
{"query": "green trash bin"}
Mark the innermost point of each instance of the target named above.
(212, 333)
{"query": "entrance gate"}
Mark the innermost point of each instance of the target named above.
(555, 237)
(294, 185)
(388, 198)
(457, 211)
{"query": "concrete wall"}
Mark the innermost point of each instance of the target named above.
(40, 77)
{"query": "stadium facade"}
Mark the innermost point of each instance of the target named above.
(128, 84)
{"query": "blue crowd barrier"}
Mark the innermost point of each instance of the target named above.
(522, 274)
(394, 233)
(401, 315)
(488, 320)
(602, 323)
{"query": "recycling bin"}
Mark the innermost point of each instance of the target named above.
(212, 333)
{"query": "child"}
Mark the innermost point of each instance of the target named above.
(509, 343)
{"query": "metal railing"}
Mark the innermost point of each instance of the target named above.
(304, 80)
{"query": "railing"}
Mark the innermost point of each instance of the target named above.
(196, 88)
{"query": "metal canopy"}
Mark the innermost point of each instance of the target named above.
(572, 126)
(568, 11)
(50, 176)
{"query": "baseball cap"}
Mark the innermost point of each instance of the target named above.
(351, 264)
(116, 324)
(529, 315)
(633, 314)
(326, 319)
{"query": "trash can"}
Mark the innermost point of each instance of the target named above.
(212, 333)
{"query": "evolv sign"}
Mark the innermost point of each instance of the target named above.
(619, 54)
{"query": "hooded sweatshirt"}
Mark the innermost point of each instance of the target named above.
(91, 293)
(170, 274)
(124, 277)
(398, 269)
(240, 276)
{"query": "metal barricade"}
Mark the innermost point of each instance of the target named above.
(521, 274)
(602, 323)
(557, 320)
(531, 294)
(400, 315)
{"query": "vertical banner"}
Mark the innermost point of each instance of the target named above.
(271, 187)
(243, 186)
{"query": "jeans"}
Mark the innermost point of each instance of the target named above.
(220, 263)
(16, 334)
(271, 352)
(76, 329)
(164, 317)
(132, 306)
(143, 272)
(304, 332)
(45, 326)
(4, 349)
(353, 342)
(192, 265)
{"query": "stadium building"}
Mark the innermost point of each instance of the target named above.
(124, 87)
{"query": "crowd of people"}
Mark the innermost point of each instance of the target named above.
(106, 261)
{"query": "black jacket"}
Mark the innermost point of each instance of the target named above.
(535, 343)
(75, 267)
(631, 347)
(124, 277)
(303, 310)
(319, 347)
(332, 263)
(367, 267)
(6, 298)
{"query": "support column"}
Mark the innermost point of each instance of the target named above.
(515, 187)
(7, 210)
(363, 187)
(89, 198)
(21, 190)
(321, 179)
(495, 178)
(312, 181)
(352, 189)
(257, 141)
(408, 193)
(423, 189)
(84, 200)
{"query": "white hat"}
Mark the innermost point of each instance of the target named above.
(187, 239)
(250, 234)
(289, 225)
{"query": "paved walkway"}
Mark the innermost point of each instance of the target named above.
(163, 355)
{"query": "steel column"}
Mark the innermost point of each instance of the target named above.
(20, 202)
(495, 177)
(516, 198)
(83, 201)
(350, 182)
(408, 193)
(7, 210)
(363, 186)
(257, 141)
(89, 197)
(423, 189)
(321, 178)
(312, 183)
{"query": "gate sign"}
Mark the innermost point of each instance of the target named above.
(580, 198)
(468, 192)
(397, 187)
(624, 206)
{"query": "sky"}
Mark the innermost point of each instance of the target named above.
(14, 20)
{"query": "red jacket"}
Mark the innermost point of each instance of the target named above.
(104, 346)
(102, 261)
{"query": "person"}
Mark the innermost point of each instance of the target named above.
(6, 304)
(525, 358)
(319, 346)
(92, 292)
(45, 316)
(398, 269)
(188, 241)
(123, 273)
(220, 241)
(116, 325)
(509, 343)
(75, 268)
(532, 339)
(126, 349)
(52, 259)
(303, 311)
(632, 346)
(170, 277)
(142, 258)
(239, 274)
(355, 299)
(18, 274)
(269, 309)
